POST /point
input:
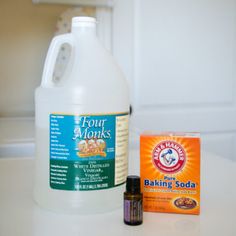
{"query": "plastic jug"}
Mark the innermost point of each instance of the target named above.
(81, 127)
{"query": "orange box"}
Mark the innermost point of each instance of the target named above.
(170, 172)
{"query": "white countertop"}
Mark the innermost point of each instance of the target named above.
(20, 216)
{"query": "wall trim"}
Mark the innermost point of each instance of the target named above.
(95, 3)
(104, 27)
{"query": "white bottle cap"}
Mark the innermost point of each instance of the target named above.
(83, 21)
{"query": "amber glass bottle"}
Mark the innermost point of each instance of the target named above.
(133, 201)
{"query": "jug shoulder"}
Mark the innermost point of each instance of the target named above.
(83, 95)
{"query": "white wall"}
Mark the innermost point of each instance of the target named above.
(180, 57)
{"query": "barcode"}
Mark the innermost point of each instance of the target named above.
(91, 186)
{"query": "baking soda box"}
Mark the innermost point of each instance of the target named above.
(170, 172)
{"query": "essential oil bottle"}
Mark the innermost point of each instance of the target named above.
(133, 201)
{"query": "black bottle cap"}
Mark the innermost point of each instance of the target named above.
(133, 184)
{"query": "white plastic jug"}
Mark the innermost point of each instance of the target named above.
(81, 127)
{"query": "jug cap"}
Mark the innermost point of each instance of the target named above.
(83, 21)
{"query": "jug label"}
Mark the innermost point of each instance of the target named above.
(88, 152)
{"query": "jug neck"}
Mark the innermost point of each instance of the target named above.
(83, 26)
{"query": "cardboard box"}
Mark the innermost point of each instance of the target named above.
(170, 172)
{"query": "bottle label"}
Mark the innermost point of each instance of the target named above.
(88, 152)
(133, 211)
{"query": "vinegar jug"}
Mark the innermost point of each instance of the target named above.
(81, 127)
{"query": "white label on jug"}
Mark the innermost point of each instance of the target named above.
(88, 152)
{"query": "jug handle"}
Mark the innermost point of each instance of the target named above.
(52, 56)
